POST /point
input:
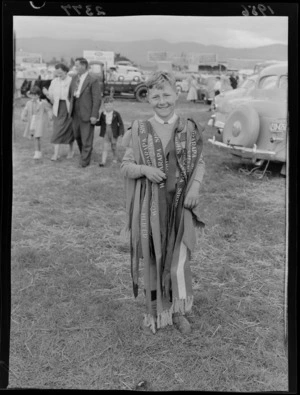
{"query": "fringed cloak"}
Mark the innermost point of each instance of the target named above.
(162, 231)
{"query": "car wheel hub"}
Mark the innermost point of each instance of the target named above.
(236, 129)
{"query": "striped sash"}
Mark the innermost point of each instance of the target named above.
(162, 231)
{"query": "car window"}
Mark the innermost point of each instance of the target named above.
(268, 82)
(283, 82)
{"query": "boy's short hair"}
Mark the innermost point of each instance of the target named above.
(108, 99)
(35, 90)
(159, 78)
(82, 61)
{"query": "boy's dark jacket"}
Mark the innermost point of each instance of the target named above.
(117, 125)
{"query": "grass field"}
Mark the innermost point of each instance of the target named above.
(75, 322)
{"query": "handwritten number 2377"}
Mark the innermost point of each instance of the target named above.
(78, 8)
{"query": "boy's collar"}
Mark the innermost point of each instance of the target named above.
(170, 121)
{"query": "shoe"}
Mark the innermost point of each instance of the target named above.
(36, 155)
(40, 155)
(70, 156)
(182, 324)
(54, 158)
(146, 330)
(101, 164)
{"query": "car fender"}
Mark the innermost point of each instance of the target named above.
(138, 86)
(242, 127)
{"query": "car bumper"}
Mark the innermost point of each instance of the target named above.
(216, 122)
(249, 153)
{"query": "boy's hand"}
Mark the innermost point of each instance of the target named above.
(93, 120)
(153, 174)
(192, 198)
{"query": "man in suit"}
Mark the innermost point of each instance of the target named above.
(85, 101)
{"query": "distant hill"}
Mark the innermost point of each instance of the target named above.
(137, 50)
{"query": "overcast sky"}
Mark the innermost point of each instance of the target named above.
(234, 32)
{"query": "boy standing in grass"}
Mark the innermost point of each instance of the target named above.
(36, 113)
(163, 169)
(112, 127)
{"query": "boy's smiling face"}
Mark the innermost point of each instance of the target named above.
(163, 100)
(108, 107)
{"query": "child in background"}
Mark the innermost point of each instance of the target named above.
(36, 113)
(163, 168)
(112, 127)
(217, 91)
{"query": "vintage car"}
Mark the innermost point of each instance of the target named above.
(227, 101)
(257, 126)
(133, 87)
(125, 73)
(261, 65)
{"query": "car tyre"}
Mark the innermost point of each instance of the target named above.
(242, 127)
(141, 94)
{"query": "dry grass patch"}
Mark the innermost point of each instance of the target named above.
(75, 323)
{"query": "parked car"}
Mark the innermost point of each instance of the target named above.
(227, 101)
(257, 126)
(127, 73)
(134, 87)
(261, 65)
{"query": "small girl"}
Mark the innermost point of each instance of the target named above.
(36, 113)
(112, 127)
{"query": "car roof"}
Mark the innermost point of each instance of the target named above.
(279, 69)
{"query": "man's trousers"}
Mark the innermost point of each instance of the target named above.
(84, 135)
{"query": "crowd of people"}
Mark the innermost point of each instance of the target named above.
(74, 104)
(163, 167)
(222, 83)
